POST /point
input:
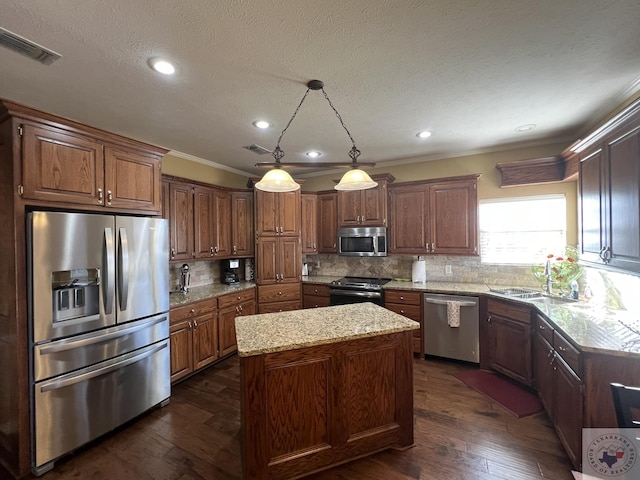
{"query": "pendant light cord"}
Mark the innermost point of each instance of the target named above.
(278, 153)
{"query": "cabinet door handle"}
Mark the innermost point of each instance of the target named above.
(489, 319)
(100, 196)
(173, 252)
(195, 324)
(314, 245)
(235, 250)
(190, 326)
(561, 348)
(541, 327)
(211, 251)
(109, 197)
(240, 307)
(433, 248)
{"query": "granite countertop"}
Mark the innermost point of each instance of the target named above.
(591, 328)
(205, 292)
(275, 332)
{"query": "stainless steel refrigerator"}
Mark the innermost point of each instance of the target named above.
(98, 326)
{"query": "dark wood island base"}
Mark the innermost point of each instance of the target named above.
(308, 409)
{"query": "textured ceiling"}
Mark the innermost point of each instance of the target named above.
(470, 71)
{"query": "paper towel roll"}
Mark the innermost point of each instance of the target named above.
(419, 271)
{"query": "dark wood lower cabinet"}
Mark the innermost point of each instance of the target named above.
(509, 342)
(315, 295)
(568, 418)
(203, 332)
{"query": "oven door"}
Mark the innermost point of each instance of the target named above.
(343, 296)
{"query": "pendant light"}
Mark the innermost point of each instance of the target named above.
(278, 180)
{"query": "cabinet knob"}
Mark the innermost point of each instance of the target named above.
(193, 310)
(402, 312)
(401, 297)
(279, 293)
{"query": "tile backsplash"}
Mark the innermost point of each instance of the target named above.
(462, 269)
(603, 288)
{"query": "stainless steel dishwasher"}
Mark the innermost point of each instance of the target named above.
(459, 343)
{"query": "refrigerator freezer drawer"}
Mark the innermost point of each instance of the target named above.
(73, 409)
(66, 355)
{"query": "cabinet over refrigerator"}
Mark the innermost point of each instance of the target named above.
(98, 326)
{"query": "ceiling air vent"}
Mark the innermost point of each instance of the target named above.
(27, 48)
(257, 149)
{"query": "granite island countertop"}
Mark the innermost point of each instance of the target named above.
(275, 332)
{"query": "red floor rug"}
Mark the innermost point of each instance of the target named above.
(513, 398)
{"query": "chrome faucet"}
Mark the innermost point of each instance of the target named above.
(547, 274)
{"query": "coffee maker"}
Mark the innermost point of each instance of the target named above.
(229, 271)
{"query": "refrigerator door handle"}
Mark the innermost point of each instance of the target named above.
(70, 380)
(108, 262)
(62, 346)
(123, 268)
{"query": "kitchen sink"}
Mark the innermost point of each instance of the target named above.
(552, 300)
(518, 292)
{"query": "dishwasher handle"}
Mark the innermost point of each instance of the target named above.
(445, 302)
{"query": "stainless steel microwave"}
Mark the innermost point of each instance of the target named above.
(362, 241)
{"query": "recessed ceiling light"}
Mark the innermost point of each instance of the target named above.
(526, 128)
(163, 66)
(313, 154)
(423, 134)
(261, 124)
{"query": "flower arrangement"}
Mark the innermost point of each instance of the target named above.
(564, 269)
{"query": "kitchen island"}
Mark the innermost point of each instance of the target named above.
(324, 386)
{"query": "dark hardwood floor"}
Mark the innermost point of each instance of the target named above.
(459, 434)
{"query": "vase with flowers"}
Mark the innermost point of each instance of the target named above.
(564, 269)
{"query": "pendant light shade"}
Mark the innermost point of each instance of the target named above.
(355, 179)
(277, 180)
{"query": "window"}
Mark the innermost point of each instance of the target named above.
(522, 230)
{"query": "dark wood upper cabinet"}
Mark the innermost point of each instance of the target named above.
(610, 201)
(327, 222)
(242, 240)
(181, 246)
(434, 217)
(63, 166)
(365, 208)
(208, 222)
(277, 213)
(309, 225)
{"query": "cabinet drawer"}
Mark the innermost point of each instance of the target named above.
(279, 293)
(544, 329)
(279, 306)
(315, 301)
(235, 298)
(404, 297)
(409, 311)
(509, 310)
(183, 312)
(569, 353)
(315, 289)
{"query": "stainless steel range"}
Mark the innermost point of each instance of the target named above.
(357, 289)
